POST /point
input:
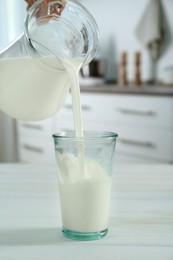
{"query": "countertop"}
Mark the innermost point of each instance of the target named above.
(98, 86)
(141, 217)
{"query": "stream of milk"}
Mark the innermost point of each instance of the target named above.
(72, 67)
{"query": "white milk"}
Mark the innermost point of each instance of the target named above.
(84, 201)
(84, 186)
(30, 90)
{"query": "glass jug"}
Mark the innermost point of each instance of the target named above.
(33, 80)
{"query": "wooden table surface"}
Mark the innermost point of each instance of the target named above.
(141, 217)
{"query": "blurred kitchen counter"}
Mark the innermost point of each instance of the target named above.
(98, 86)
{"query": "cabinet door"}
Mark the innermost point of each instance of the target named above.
(36, 150)
(35, 142)
(36, 128)
(145, 142)
(143, 111)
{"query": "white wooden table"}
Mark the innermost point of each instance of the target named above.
(141, 218)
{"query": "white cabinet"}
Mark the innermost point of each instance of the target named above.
(144, 124)
(35, 143)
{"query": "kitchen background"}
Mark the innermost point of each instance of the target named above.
(117, 21)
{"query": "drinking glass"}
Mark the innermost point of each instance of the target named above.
(84, 166)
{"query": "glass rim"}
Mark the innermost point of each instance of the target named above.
(88, 135)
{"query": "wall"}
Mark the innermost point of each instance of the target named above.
(12, 13)
(117, 21)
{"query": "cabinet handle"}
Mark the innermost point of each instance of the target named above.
(32, 148)
(136, 112)
(84, 107)
(30, 126)
(136, 142)
(68, 107)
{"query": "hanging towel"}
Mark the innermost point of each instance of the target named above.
(150, 28)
